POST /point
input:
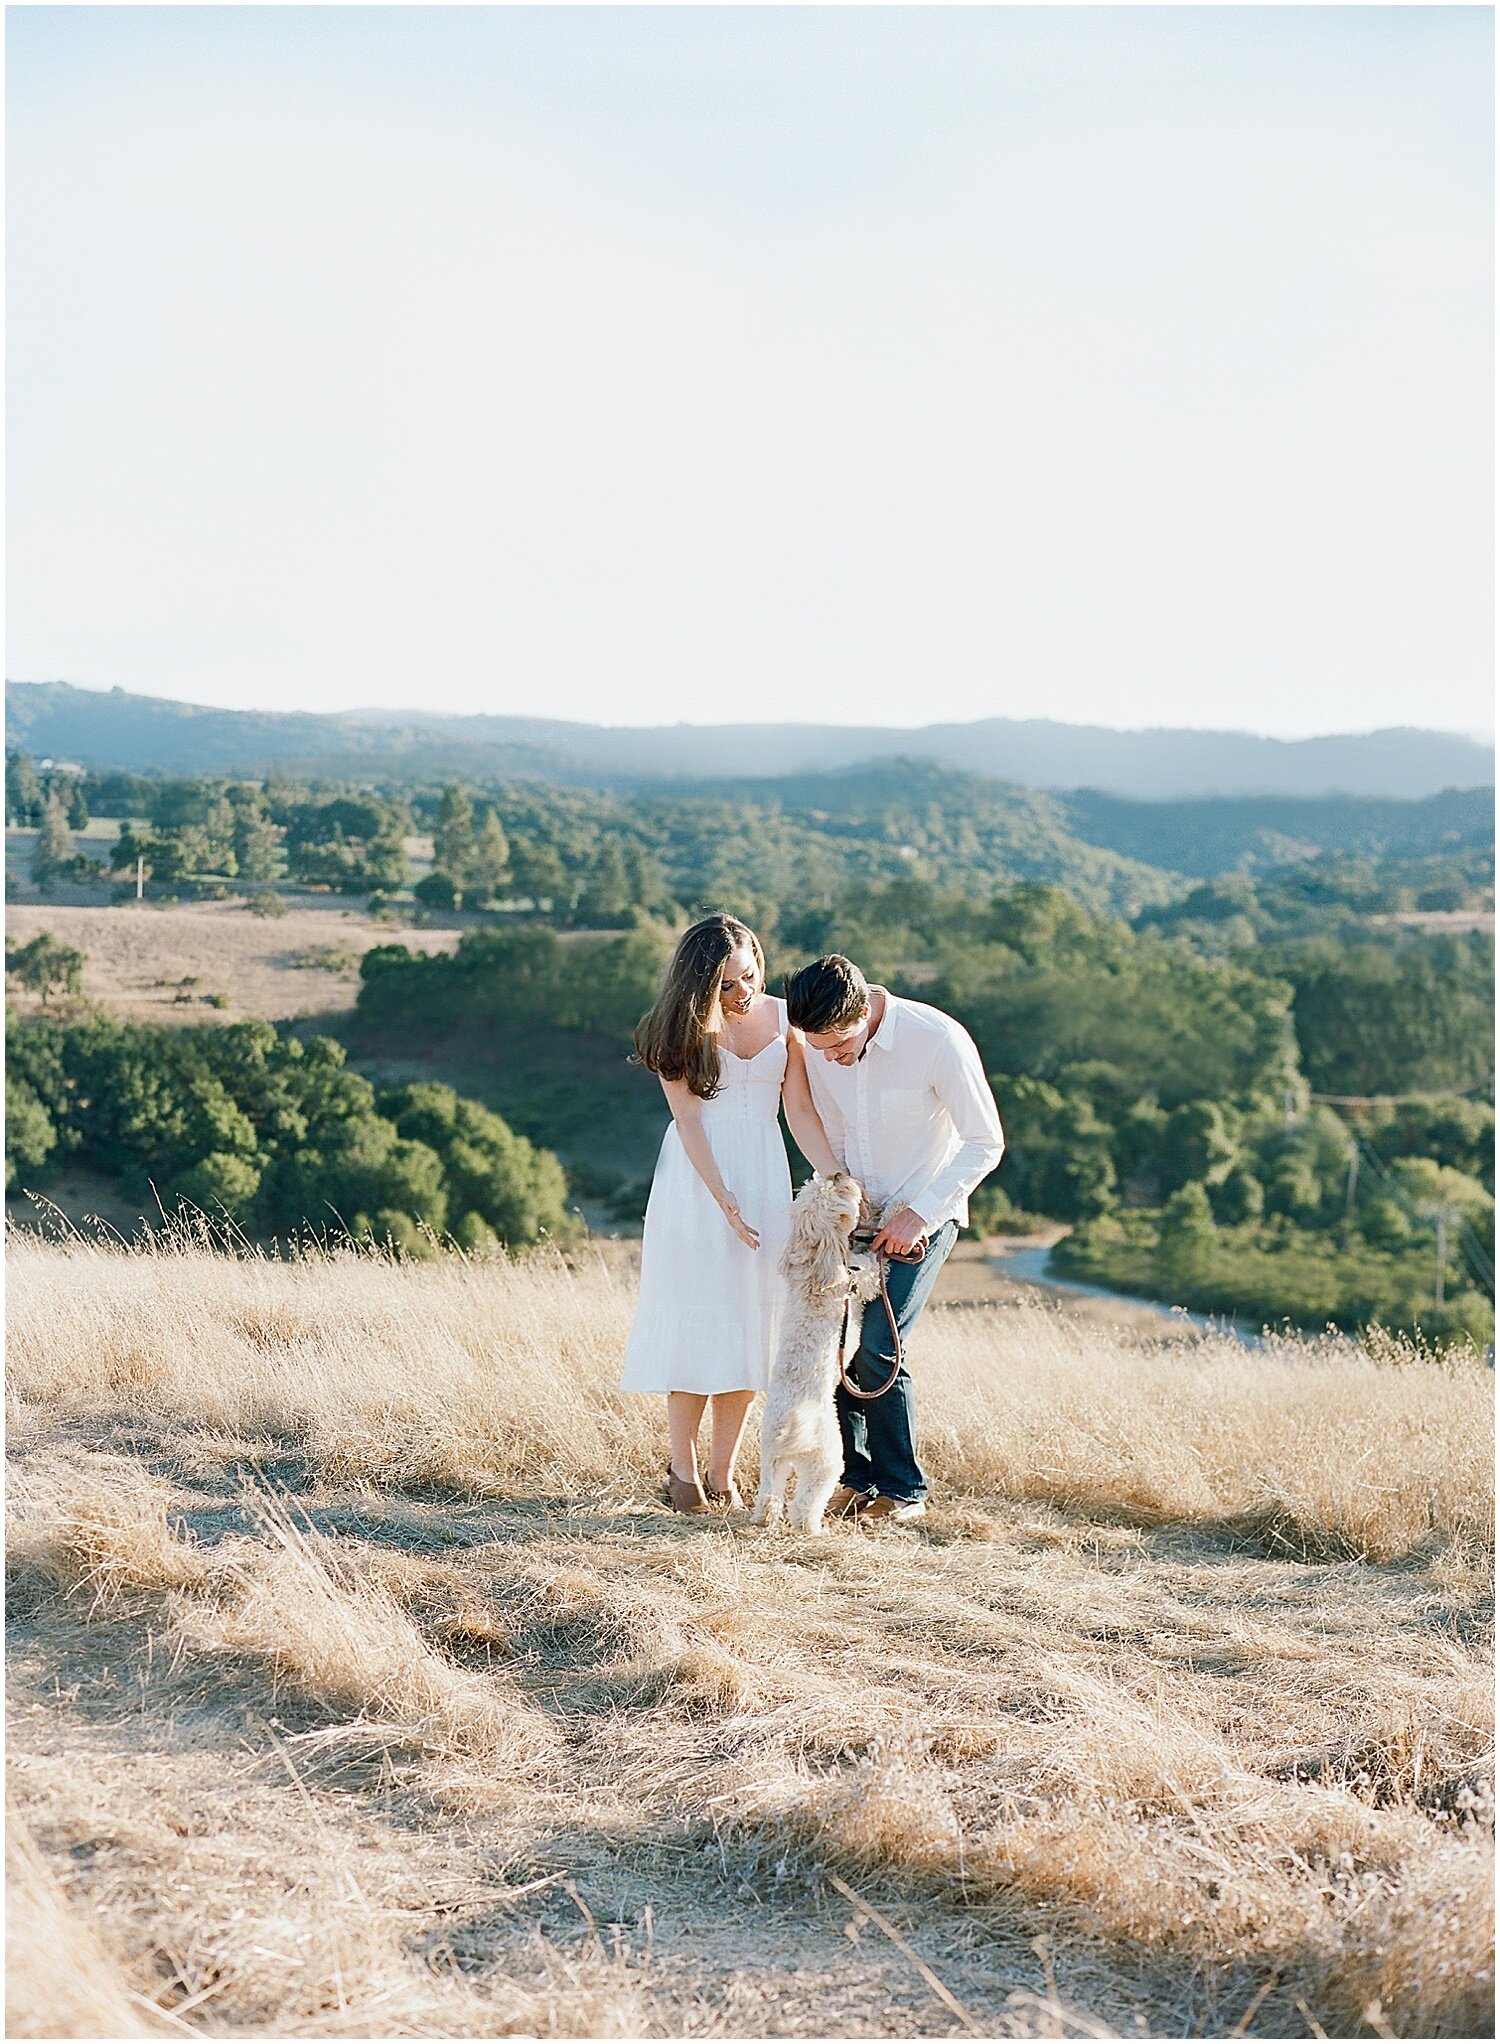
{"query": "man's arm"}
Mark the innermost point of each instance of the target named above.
(812, 1135)
(959, 1082)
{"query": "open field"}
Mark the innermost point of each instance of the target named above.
(359, 1685)
(140, 958)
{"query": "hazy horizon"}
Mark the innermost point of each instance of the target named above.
(1127, 367)
(385, 710)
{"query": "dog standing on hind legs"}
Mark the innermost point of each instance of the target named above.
(799, 1439)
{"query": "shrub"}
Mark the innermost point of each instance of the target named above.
(222, 1181)
(277, 1132)
(436, 890)
(30, 1137)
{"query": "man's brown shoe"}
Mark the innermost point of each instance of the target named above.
(892, 1511)
(683, 1497)
(846, 1502)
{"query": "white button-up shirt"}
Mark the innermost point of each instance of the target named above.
(914, 1119)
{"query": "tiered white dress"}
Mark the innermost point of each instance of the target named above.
(707, 1316)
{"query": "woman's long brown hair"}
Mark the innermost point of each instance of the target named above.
(676, 1039)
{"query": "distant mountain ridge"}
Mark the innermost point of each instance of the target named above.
(116, 728)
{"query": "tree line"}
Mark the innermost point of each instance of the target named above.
(275, 1135)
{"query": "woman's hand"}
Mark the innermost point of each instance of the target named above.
(748, 1235)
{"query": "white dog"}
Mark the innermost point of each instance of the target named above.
(799, 1438)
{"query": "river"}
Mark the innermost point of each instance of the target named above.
(1032, 1265)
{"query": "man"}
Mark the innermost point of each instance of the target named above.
(907, 1108)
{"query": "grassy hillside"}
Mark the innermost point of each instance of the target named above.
(360, 1687)
(568, 1089)
(161, 961)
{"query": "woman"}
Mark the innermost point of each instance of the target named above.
(720, 1206)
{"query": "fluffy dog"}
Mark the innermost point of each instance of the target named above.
(799, 1439)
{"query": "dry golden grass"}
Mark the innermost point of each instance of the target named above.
(360, 1686)
(136, 958)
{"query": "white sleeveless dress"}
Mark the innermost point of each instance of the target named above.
(707, 1316)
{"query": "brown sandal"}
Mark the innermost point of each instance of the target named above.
(682, 1497)
(725, 1499)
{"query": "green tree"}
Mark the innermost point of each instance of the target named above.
(24, 800)
(1380, 1017)
(1039, 921)
(54, 854)
(222, 1181)
(494, 1176)
(605, 900)
(78, 808)
(30, 1137)
(645, 881)
(43, 964)
(436, 890)
(1199, 1145)
(1186, 1237)
(539, 873)
(1058, 1157)
(489, 862)
(257, 845)
(453, 835)
(1238, 1198)
(1423, 1185)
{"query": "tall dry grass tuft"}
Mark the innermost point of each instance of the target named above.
(60, 1981)
(95, 1524)
(291, 1602)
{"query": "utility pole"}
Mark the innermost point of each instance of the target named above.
(1349, 1190)
(1442, 1257)
(140, 874)
(1440, 1213)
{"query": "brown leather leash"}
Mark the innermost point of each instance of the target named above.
(845, 1379)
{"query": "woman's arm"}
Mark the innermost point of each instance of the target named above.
(687, 1112)
(801, 1116)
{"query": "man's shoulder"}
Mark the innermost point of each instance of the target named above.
(935, 1024)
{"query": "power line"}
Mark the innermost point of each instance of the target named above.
(1471, 1249)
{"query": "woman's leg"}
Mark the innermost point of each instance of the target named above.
(730, 1410)
(684, 1417)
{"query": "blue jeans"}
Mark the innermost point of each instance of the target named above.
(880, 1448)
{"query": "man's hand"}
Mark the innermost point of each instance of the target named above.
(901, 1233)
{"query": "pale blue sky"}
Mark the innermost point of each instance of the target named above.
(1123, 365)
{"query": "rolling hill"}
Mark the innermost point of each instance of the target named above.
(116, 728)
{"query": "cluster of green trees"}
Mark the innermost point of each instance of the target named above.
(188, 836)
(528, 975)
(1332, 894)
(29, 792)
(198, 833)
(276, 1134)
(582, 858)
(54, 804)
(1142, 1083)
(1387, 1266)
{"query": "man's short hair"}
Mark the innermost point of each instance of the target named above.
(828, 995)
